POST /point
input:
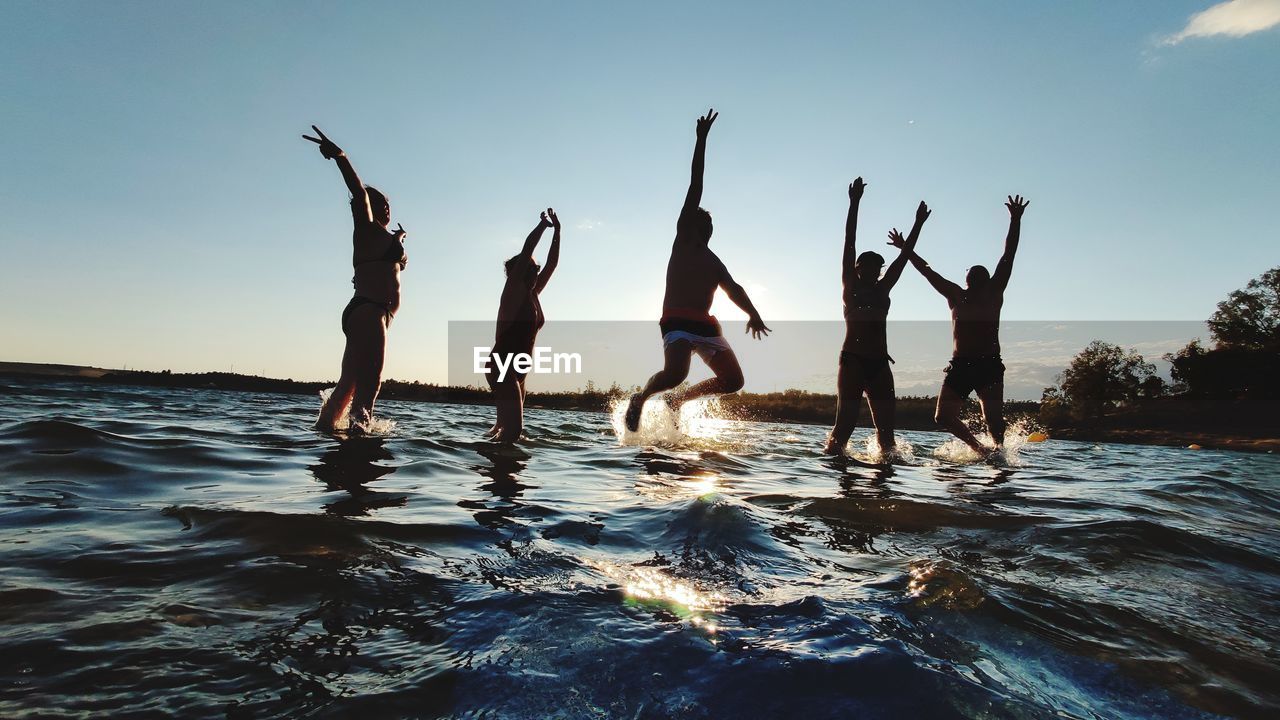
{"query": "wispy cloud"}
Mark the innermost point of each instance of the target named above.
(1234, 18)
(589, 224)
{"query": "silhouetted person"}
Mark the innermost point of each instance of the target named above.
(864, 357)
(693, 274)
(378, 257)
(519, 320)
(975, 329)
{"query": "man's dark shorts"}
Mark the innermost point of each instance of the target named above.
(966, 374)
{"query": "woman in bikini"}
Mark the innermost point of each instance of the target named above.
(378, 257)
(864, 357)
(519, 320)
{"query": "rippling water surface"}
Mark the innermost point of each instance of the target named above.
(202, 553)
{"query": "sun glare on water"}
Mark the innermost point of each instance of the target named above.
(649, 585)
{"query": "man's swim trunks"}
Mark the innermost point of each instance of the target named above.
(966, 374)
(704, 335)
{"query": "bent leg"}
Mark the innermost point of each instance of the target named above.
(948, 416)
(884, 409)
(848, 401)
(991, 398)
(675, 369)
(728, 378)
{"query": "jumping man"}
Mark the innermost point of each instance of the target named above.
(975, 330)
(693, 274)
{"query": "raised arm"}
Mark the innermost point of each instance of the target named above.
(945, 287)
(360, 199)
(738, 295)
(531, 242)
(851, 230)
(553, 256)
(908, 247)
(694, 197)
(1004, 268)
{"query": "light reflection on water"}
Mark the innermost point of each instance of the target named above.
(201, 550)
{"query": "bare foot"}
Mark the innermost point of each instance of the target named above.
(834, 448)
(634, 407)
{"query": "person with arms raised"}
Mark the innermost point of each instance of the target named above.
(519, 320)
(864, 357)
(975, 330)
(378, 256)
(694, 273)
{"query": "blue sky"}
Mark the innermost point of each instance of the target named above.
(161, 211)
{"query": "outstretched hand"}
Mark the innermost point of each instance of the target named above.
(856, 187)
(550, 216)
(922, 213)
(400, 234)
(327, 147)
(546, 221)
(704, 122)
(756, 327)
(896, 239)
(1016, 205)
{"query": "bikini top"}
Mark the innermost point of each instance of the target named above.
(393, 254)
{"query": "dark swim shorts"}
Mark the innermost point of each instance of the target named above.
(966, 374)
(870, 365)
(709, 327)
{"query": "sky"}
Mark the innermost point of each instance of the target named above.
(159, 209)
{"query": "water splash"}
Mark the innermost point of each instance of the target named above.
(903, 452)
(1015, 437)
(375, 426)
(703, 423)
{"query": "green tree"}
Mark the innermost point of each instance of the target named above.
(1249, 319)
(1101, 378)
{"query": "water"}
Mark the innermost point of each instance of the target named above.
(200, 553)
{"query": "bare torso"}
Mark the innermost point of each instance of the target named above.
(693, 274)
(975, 322)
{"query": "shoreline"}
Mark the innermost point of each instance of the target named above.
(790, 407)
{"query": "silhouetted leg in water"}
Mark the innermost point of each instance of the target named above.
(361, 369)
(884, 409)
(675, 369)
(851, 385)
(991, 398)
(849, 388)
(948, 416)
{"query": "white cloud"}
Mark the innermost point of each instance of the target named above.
(1234, 18)
(589, 224)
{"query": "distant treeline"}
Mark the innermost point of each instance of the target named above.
(1230, 389)
(913, 413)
